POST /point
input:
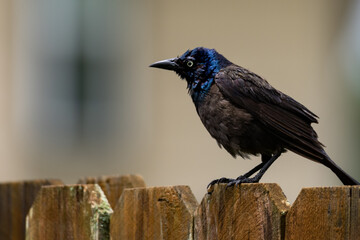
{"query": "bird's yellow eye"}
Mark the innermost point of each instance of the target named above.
(190, 63)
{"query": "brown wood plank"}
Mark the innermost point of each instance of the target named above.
(325, 213)
(69, 212)
(16, 199)
(113, 186)
(249, 211)
(154, 213)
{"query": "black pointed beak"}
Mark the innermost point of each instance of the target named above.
(168, 64)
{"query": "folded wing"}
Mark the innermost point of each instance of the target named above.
(284, 117)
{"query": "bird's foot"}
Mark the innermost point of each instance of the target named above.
(241, 179)
(220, 180)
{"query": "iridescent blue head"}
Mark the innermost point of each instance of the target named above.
(198, 67)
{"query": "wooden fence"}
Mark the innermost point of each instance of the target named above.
(122, 207)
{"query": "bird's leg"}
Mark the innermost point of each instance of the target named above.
(251, 172)
(262, 166)
(264, 159)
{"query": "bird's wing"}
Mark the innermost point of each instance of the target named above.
(280, 114)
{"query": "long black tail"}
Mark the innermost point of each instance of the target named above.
(320, 156)
(345, 178)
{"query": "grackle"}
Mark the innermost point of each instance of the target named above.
(246, 115)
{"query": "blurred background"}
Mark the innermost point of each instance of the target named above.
(77, 97)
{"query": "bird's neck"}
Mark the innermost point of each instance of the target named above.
(199, 89)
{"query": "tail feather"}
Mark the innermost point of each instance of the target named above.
(320, 156)
(345, 178)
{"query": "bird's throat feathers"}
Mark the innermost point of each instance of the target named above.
(200, 77)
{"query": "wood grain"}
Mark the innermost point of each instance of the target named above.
(113, 186)
(325, 213)
(16, 199)
(249, 211)
(78, 212)
(154, 213)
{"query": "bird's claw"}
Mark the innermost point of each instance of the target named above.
(241, 180)
(233, 182)
(220, 180)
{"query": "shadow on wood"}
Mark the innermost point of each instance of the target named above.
(249, 211)
(16, 199)
(154, 213)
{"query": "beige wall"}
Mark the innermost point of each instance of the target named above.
(11, 165)
(156, 131)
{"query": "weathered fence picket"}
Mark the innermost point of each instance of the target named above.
(16, 199)
(251, 211)
(325, 213)
(79, 212)
(154, 213)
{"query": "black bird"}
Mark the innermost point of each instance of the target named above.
(246, 115)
